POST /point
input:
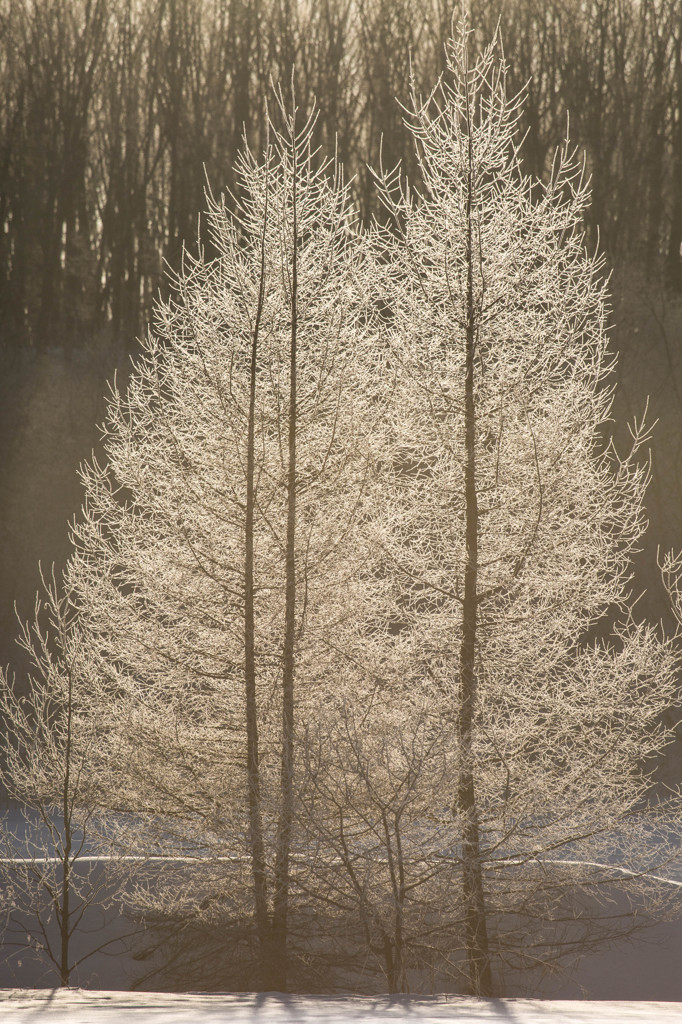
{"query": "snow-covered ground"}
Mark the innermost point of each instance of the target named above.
(76, 1006)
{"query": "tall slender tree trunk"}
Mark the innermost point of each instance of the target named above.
(674, 254)
(476, 934)
(281, 895)
(65, 915)
(252, 753)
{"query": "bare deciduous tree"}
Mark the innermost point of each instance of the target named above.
(506, 520)
(52, 874)
(214, 563)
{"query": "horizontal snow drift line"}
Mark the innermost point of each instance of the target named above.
(235, 859)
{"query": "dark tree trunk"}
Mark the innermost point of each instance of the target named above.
(281, 895)
(674, 256)
(65, 915)
(476, 935)
(252, 752)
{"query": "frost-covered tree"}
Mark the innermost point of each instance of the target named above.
(215, 562)
(506, 521)
(51, 876)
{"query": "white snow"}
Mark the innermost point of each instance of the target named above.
(78, 1006)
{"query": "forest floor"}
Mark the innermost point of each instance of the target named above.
(78, 1006)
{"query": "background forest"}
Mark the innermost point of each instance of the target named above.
(114, 113)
